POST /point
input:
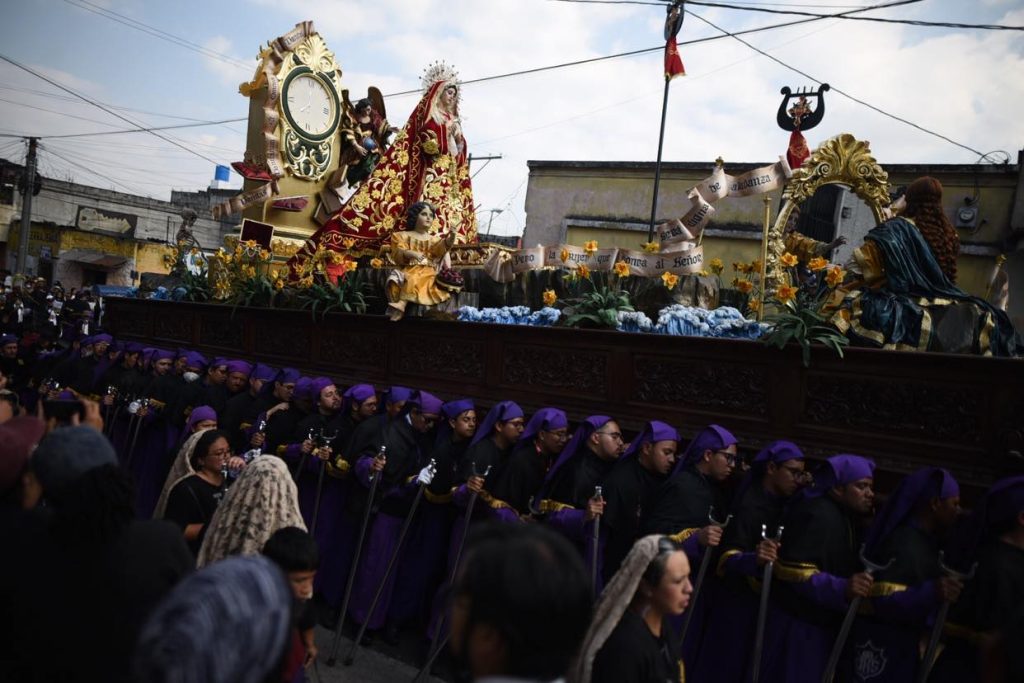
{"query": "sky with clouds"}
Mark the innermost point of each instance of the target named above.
(965, 84)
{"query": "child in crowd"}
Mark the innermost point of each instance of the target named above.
(296, 553)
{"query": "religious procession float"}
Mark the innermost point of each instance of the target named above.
(358, 257)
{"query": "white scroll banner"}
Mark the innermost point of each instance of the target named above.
(645, 264)
(602, 260)
(717, 186)
(574, 256)
(673, 231)
(238, 203)
(699, 214)
(688, 262)
(640, 263)
(760, 180)
(527, 259)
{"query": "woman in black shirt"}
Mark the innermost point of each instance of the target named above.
(194, 499)
(630, 639)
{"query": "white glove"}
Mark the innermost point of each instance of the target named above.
(425, 476)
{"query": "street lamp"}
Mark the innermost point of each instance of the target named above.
(491, 220)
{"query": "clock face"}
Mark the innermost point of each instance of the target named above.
(311, 107)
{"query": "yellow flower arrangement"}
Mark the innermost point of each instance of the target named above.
(754, 305)
(745, 286)
(583, 271)
(786, 293)
(743, 267)
(564, 255)
(278, 284)
(716, 266)
(835, 276)
(377, 263)
(350, 266)
(652, 247)
(755, 266)
(817, 263)
(550, 297)
(335, 257)
(590, 246)
(670, 280)
(621, 268)
(789, 260)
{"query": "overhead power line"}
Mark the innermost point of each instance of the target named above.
(909, 22)
(158, 33)
(834, 89)
(511, 74)
(658, 48)
(104, 108)
(96, 173)
(661, 47)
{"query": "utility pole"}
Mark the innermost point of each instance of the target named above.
(491, 220)
(485, 159)
(27, 190)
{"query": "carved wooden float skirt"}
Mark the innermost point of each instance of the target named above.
(904, 409)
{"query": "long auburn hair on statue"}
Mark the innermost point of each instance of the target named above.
(924, 207)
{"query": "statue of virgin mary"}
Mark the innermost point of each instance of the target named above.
(427, 161)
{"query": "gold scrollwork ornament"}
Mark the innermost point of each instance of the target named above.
(842, 160)
(307, 160)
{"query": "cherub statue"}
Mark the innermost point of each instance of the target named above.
(418, 256)
(365, 136)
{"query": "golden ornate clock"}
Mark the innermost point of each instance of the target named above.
(311, 111)
(292, 144)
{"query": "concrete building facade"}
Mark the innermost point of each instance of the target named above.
(575, 201)
(82, 235)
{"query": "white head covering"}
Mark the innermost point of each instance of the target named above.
(262, 500)
(614, 601)
(181, 469)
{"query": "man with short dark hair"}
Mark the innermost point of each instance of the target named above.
(521, 604)
(818, 572)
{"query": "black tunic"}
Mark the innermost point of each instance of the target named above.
(357, 439)
(683, 502)
(193, 501)
(521, 477)
(241, 409)
(627, 489)
(755, 507)
(992, 601)
(819, 533)
(281, 427)
(447, 456)
(127, 381)
(405, 458)
(575, 480)
(632, 654)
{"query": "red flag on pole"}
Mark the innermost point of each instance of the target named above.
(673, 62)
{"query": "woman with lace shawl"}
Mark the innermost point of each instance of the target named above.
(630, 639)
(903, 293)
(262, 500)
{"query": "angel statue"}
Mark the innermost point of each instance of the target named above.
(365, 135)
(427, 161)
